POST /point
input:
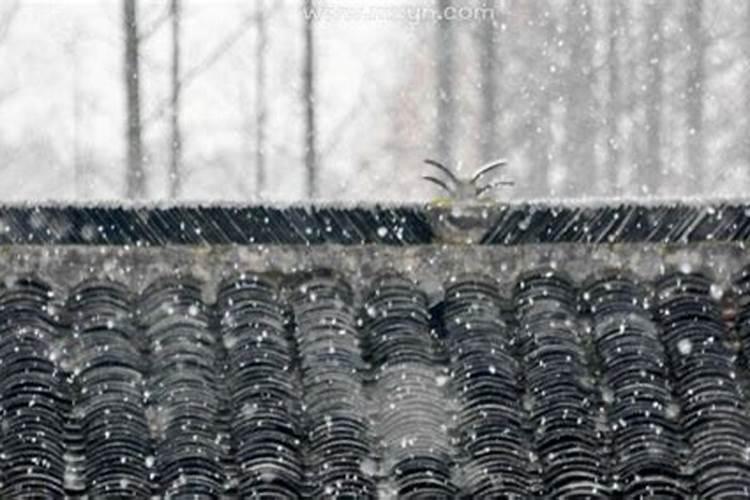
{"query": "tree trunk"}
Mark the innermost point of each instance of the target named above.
(633, 97)
(539, 94)
(308, 99)
(580, 126)
(446, 113)
(744, 134)
(260, 101)
(488, 48)
(135, 177)
(175, 143)
(609, 179)
(695, 91)
(652, 164)
(79, 177)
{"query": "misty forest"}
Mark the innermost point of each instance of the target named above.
(295, 100)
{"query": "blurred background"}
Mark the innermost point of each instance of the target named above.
(294, 100)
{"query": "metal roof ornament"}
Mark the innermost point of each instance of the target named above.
(467, 190)
(460, 217)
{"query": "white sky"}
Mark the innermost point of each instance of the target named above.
(51, 43)
(375, 101)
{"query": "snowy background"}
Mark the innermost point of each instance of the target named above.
(586, 98)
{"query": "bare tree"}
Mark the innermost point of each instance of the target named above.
(488, 63)
(632, 92)
(7, 16)
(696, 76)
(135, 175)
(71, 48)
(260, 99)
(308, 100)
(746, 130)
(652, 164)
(446, 112)
(580, 124)
(189, 75)
(534, 98)
(175, 143)
(608, 181)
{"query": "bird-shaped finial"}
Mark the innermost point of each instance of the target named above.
(466, 190)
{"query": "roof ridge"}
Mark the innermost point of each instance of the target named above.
(396, 225)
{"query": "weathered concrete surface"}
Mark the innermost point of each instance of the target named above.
(430, 265)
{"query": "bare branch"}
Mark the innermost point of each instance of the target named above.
(334, 139)
(437, 181)
(155, 25)
(5, 94)
(494, 185)
(7, 17)
(488, 168)
(444, 169)
(218, 51)
(214, 56)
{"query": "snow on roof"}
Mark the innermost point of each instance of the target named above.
(316, 385)
(376, 224)
(138, 360)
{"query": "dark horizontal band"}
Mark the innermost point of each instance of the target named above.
(389, 225)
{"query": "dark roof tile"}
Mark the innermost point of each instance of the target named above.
(388, 225)
(325, 389)
(585, 375)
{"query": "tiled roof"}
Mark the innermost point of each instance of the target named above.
(389, 225)
(134, 368)
(310, 385)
